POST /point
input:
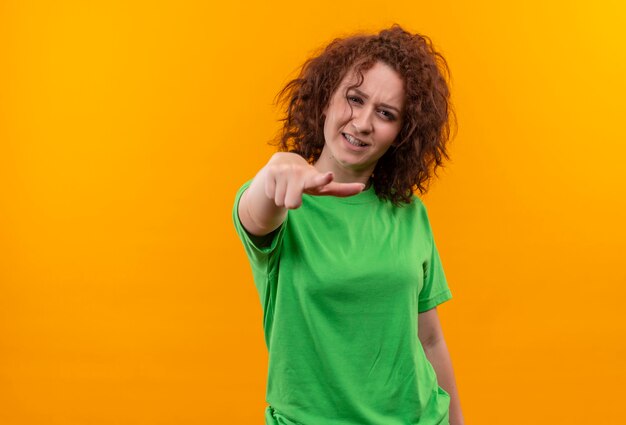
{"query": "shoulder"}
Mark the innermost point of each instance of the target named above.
(417, 202)
(413, 214)
(415, 208)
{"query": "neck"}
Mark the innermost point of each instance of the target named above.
(343, 174)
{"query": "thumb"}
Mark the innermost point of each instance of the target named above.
(319, 180)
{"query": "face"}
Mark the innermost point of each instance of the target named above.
(361, 125)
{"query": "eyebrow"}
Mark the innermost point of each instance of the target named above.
(360, 93)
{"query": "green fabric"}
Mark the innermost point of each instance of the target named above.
(341, 284)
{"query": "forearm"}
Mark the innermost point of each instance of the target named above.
(438, 355)
(259, 214)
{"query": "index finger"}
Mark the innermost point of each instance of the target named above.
(341, 190)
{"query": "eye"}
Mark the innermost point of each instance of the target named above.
(354, 99)
(388, 115)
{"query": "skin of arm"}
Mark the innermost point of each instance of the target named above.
(436, 350)
(258, 213)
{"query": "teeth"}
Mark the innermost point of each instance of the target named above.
(353, 141)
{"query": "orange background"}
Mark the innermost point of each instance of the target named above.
(126, 128)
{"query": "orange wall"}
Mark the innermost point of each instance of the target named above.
(126, 128)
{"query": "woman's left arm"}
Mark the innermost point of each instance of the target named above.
(434, 344)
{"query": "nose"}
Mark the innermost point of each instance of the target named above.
(362, 122)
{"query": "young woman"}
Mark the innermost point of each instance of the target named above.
(342, 252)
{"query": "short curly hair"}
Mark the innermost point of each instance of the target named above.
(420, 147)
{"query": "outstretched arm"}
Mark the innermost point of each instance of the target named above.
(431, 337)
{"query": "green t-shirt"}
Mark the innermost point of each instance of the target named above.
(341, 283)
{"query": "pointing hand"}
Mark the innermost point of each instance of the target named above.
(288, 176)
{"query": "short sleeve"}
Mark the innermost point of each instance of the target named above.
(435, 289)
(261, 252)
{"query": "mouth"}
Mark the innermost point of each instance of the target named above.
(353, 140)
